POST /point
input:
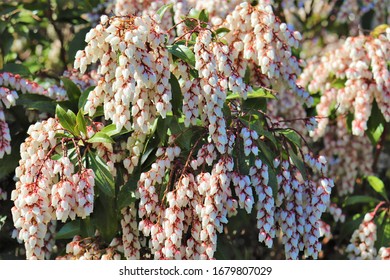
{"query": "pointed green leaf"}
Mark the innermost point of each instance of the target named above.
(160, 12)
(127, 193)
(182, 52)
(357, 199)
(378, 186)
(69, 230)
(204, 16)
(222, 31)
(110, 130)
(80, 121)
(298, 163)
(292, 135)
(177, 96)
(383, 230)
(103, 177)
(37, 102)
(16, 69)
(100, 137)
(67, 120)
(258, 93)
(104, 218)
(72, 90)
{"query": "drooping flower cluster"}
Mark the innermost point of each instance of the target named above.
(258, 37)
(134, 71)
(18, 83)
(363, 240)
(350, 78)
(199, 203)
(187, 194)
(346, 167)
(130, 233)
(10, 85)
(47, 189)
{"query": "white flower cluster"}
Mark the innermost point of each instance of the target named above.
(10, 85)
(130, 233)
(346, 167)
(336, 212)
(257, 36)
(192, 98)
(73, 195)
(360, 63)
(134, 71)
(91, 249)
(33, 211)
(363, 239)
(135, 145)
(5, 137)
(16, 82)
(265, 204)
(47, 189)
(305, 201)
(213, 85)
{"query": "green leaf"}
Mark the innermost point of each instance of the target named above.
(84, 96)
(67, 120)
(204, 16)
(182, 52)
(162, 128)
(378, 186)
(100, 137)
(69, 230)
(292, 135)
(258, 93)
(222, 31)
(126, 194)
(338, 83)
(266, 151)
(72, 90)
(86, 227)
(80, 121)
(357, 199)
(56, 157)
(37, 102)
(375, 124)
(383, 230)
(177, 96)
(16, 69)
(103, 177)
(110, 130)
(104, 217)
(160, 12)
(298, 163)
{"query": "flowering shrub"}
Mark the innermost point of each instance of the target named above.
(176, 117)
